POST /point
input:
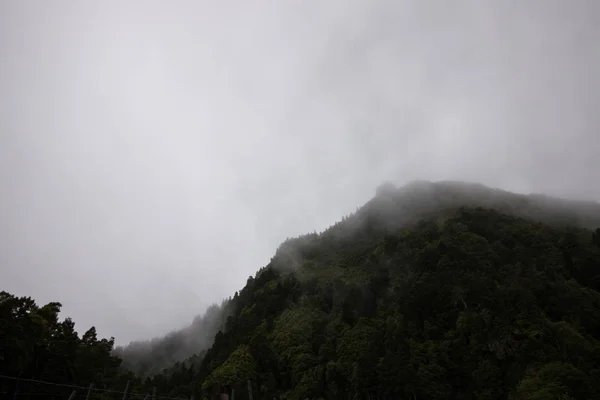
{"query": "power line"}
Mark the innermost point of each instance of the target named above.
(15, 378)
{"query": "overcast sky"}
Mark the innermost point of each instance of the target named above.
(153, 154)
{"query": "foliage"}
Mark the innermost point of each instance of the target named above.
(239, 367)
(34, 344)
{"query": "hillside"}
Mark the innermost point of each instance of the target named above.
(430, 291)
(392, 207)
(422, 294)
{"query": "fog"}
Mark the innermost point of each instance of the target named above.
(154, 154)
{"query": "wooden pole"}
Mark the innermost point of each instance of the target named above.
(87, 396)
(249, 389)
(126, 389)
(154, 393)
(16, 391)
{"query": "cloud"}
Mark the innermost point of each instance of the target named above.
(154, 155)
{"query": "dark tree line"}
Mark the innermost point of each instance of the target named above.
(36, 345)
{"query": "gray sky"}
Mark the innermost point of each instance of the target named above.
(153, 154)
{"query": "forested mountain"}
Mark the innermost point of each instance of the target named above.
(430, 291)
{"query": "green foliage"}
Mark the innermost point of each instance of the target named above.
(239, 367)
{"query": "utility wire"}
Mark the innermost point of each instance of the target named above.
(15, 378)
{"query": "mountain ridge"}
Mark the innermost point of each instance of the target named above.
(428, 291)
(394, 209)
(536, 252)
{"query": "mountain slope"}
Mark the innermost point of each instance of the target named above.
(391, 207)
(416, 296)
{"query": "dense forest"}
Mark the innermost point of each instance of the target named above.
(429, 291)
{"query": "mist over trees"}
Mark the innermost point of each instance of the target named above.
(445, 290)
(150, 357)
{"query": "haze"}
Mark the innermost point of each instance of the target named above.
(154, 154)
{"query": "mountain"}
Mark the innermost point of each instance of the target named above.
(445, 290)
